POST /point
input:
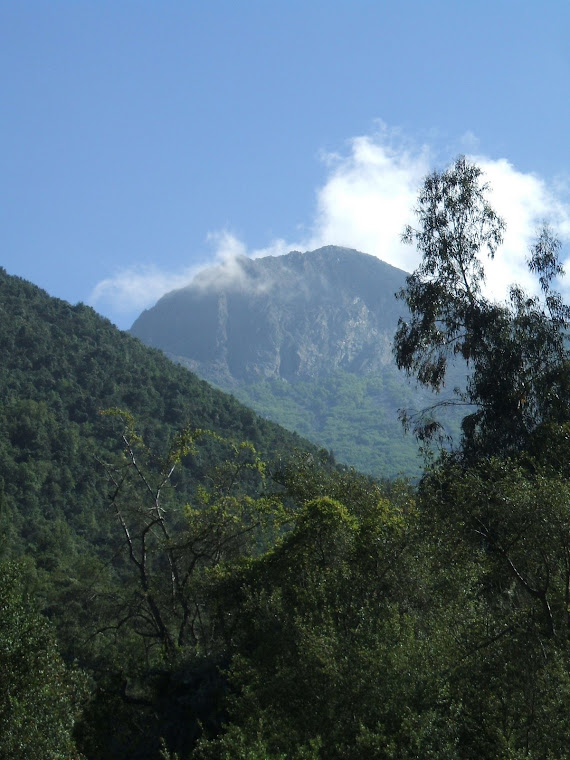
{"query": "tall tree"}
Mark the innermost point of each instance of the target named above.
(517, 362)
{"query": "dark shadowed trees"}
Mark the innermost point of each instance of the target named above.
(40, 697)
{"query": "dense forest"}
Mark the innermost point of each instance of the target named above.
(181, 579)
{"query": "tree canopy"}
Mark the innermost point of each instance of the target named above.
(40, 697)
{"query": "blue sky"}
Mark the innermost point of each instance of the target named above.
(143, 140)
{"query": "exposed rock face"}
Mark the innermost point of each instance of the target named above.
(298, 316)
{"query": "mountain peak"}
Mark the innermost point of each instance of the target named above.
(300, 315)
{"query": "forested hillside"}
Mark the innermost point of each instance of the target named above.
(353, 416)
(60, 365)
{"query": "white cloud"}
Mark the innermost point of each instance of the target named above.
(368, 199)
(137, 287)
(525, 201)
(365, 202)
(370, 194)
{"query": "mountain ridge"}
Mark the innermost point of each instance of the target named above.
(296, 316)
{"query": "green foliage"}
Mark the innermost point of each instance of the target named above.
(170, 546)
(40, 697)
(153, 638)
(346, 414)
(516, 351)
(378, 627)
(519, 513)
(512, 518)
(497, 510)
(325, 634)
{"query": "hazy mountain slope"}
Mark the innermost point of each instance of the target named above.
(306, 340)
(291, 317)
(351, 415)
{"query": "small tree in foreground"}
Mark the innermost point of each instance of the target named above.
(515, 354)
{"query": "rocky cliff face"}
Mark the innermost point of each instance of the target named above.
(293, 317)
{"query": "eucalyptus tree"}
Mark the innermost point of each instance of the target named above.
(515, 354)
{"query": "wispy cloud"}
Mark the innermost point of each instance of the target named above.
(367, 198)
(137, 287)
(229, 255)
(132, 289)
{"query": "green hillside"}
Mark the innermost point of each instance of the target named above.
(170, 591)
(60, 365)
(353, 416)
